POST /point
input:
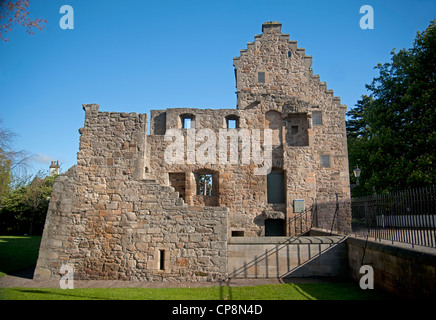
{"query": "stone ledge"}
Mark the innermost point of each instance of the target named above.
(418, 254)
(286, 240)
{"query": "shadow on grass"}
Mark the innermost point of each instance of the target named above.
(18, 253)
(225, 290)
(41, 294)
(346, 290)
(302, 292)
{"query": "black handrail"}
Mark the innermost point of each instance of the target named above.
(300, 224)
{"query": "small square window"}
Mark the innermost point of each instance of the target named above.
(316, 117)
(325, 161)
(231, 124)
(294, 129)
(261, 77)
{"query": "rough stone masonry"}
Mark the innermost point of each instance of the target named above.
(125, 213)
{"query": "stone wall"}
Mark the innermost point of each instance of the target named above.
(59, 226)
(110, 222)
(234, 186)
(126, 212)
(285, 102)
(291, 88)
(399, 269)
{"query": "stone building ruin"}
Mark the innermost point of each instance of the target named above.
(125, 212)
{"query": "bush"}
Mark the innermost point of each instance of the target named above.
(23, 209)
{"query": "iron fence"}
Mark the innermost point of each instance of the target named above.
(300, 224)
(407, 216)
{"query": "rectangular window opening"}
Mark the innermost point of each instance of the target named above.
(231, 124)
(178, 181)
(276, 187)
(161, 259)
(325, 161)
(261, 77)
(316, 117)
(187, 123)
(294, 129)
(205, 184)
(237, 233)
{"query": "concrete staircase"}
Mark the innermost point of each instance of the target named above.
(278, 257)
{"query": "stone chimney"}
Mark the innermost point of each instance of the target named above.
(272, 27)
(54, 168)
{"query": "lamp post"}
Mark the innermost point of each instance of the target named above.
(357, 172)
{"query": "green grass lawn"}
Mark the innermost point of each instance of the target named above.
(288, 291)
(17, 253)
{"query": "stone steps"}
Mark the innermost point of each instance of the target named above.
(155, 191)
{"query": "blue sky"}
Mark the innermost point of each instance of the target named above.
(135, 56)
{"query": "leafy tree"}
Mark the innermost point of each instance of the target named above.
(23, 199)
(359, 145)
(356, 124)
(392, 132)
(11, 212)
(37, 197)
(23, 209)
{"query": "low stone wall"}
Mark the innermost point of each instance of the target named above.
(277, 257)
(406, 272)
(164, 240)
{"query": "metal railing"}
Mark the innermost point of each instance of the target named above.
(300, 223)
(407, 216)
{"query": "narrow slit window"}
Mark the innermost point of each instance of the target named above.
(187, 123)
(205, 184)
(161, 259)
